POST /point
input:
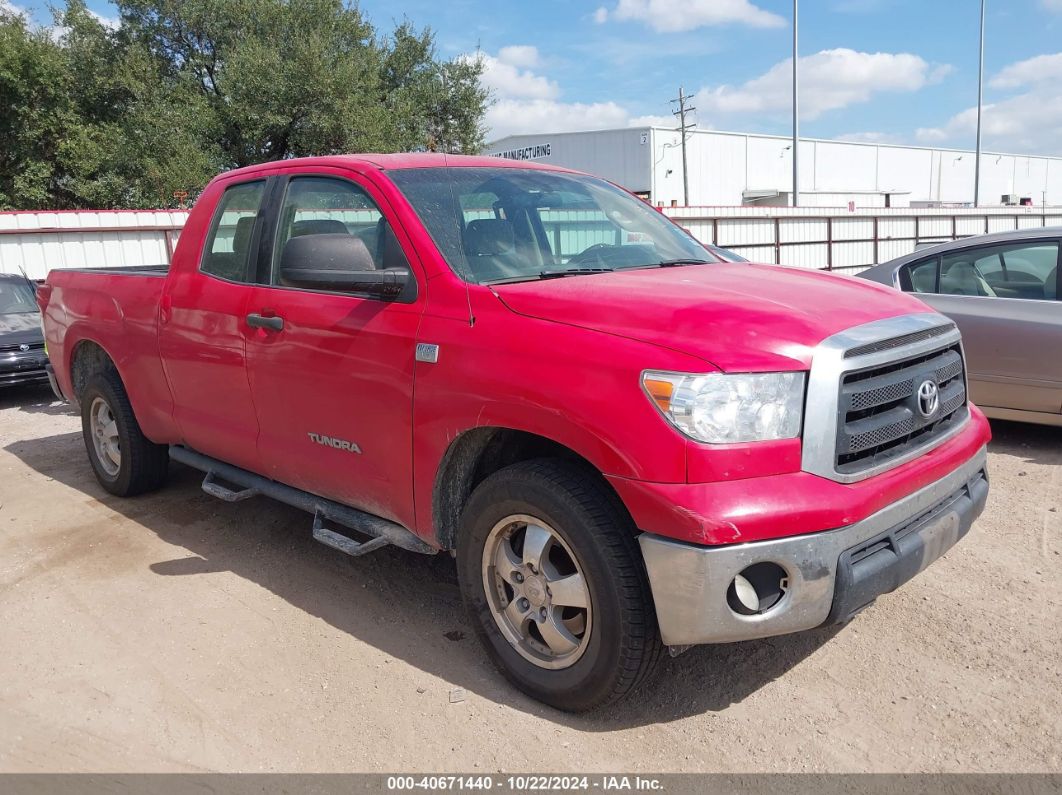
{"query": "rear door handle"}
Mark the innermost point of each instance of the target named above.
(254, 320)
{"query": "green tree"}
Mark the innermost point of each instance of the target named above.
(142, 137)
(90, 122)
(35, 98)
(182, 89)
(432, 104)
(286, 78)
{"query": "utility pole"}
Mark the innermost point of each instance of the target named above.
(796, 114)
(980, 82)
(683, 109)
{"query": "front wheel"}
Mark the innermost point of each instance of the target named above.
(124, 460)
(554, 584)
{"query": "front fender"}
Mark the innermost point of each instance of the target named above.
(578, 388)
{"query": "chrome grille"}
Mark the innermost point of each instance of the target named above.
(879, 417)
(898, 342)
(17, 347)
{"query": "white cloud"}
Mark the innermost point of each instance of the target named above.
(111, 23)
(520, 55)
(870, 138)
(601, 15)
(829, 80)
(931, 135)
(516, 117)
(1041, 69)
(10, 9)
(529, 102)
(507, 76)
(1029, 120)
(653, 121)
(669, 16)
(1052, 5)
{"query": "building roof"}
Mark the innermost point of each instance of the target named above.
(803, 139)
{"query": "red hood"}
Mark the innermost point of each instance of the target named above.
(738, 317)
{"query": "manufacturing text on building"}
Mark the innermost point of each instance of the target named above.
(525, 152)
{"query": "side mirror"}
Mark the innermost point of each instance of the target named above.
(340, 262)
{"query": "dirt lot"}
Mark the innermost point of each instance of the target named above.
(174, 632)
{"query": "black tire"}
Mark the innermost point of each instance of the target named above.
(144, 464)
(624, 644)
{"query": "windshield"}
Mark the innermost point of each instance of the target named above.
(503, 225)
(16, 297)
(727, 254)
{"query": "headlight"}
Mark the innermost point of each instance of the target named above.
(723, 408)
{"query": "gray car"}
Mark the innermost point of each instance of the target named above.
(1002, 292)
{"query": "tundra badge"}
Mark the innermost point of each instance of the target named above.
(331, 441)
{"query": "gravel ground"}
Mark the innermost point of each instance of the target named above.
(174, 632)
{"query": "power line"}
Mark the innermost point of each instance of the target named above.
(683, 127)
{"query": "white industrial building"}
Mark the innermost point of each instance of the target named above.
(752, 169)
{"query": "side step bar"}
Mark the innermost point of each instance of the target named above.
(219, 476)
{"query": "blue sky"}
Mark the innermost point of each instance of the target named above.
(901, 71)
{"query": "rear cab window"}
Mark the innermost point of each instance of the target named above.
(227, 251)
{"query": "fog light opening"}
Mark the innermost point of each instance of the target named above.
(757, 589)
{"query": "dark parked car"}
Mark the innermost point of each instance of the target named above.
(22, 356)
(1002, 292)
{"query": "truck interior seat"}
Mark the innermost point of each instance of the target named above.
(232, 264)
(490, 247)
(962, 278)
(319, 226)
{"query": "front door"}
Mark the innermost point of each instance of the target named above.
(331, 374)
(201, 330)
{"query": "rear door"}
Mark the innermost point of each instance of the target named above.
(332, 381)
(202, 330)
(1004, 299)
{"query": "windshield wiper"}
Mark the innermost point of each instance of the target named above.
(572, 272)
(674, 263)
(534, 277)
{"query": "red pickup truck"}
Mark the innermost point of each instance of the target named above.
(626, 444)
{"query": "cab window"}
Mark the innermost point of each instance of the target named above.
(327, 206)
(227, 251)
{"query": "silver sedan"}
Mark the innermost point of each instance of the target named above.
(1002, 292)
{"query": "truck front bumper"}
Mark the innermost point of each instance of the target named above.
(828, 576)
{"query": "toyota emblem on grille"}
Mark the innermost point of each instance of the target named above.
(23, 347)
(928, 398)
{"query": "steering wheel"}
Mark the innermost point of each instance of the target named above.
(592, 252)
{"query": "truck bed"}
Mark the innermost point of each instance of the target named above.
(134, 270)
(117, 309)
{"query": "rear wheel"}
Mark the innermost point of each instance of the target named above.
(124, 460)
(554, 584)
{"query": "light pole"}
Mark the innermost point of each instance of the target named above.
(796, 117)
(980, 83)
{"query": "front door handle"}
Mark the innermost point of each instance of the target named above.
(254, 320)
